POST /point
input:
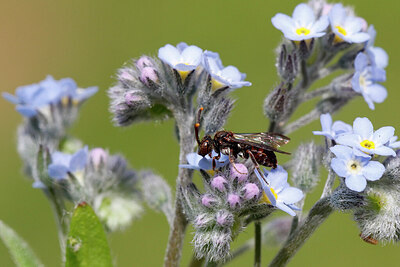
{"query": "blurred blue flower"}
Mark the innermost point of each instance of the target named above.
(330, 130)
(277, 190)
(30, 98)
(356, 167)
(183, 58)
(346, 27)
(377, 55)
(302, 25)
(365, 81)
(197, 162)
(63, 163)
(222, 76)
(365, 139)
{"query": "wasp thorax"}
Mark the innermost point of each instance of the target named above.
(206, 146)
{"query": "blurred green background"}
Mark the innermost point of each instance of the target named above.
(89, 40)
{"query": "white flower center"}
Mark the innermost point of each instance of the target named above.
(353, 166)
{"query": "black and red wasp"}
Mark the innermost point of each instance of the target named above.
(259, 147)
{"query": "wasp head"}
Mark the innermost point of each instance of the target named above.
(206, 146)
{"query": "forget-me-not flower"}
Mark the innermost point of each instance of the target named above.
(365, 139)
(330, 130)
(393, 143)
(30, 98)
(346, 27)
(62, 163)
(377, 55)
(365, 81)
(222, 76)
(277, 190)
(184, 58)
(197, 162)
(302, 25)
(356, 167)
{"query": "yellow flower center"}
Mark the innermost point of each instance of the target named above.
(215, 85)
(341, 30)
(184, 73)
(362, 81)
(265, 199)
(302, 30)
(368, 144)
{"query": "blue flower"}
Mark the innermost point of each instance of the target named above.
(365, 80)
(302, 25)
(356, 167)
(377, 55)
(393, 143)
(62, 163)
(30, 98)
(197, 162)
(183, 58)
(365, 139)
(222, 76)
(330, 130)
(277, 190)
(346, 27)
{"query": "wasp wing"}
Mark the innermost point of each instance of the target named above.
(268, 141)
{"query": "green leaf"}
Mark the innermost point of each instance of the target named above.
(21, 253)
(87, 242)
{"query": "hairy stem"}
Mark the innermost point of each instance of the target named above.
(316, 216)
(257, 244)
(302, 121)
(178, 228)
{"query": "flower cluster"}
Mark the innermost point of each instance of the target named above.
(356, 147)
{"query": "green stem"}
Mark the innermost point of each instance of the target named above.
(257, 244)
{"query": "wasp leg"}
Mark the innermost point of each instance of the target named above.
(214, 160)
(232, 161)
(256, 165)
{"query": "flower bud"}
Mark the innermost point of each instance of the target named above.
(275, 103)
(133, 96)
(233, 200)
(149, 77)
(239, 171)
(98, 157)
(203, 220)
(251, 191)
(143, 62)
(207, 200)
(125, 75)
(224, 218)
(219, 183)
(288, 65)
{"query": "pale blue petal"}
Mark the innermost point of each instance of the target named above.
(369, 101)
(85, 94)
(355, 82)
(283, 22)
(363, 127)
(57, 171)
(376, 92)
(361, 62)
(339, 166)
(270, 195)
(231, 73)
(348, 139)
(356, 182)
(181, 46)
(326, 122)
(360, 37)
(326, 134)
(277, 178)
(337, 15)
(79, 160)
(352, 25)
(339, 127)
(384, 151)
(193, 158)
(383, 135)
(59, 158)
(205, 164)
(10, 98)
(192, 55)
(303, 15)
(285, 208)
(373, 170)
(26, 111)
(290, 195)
(321, 24)
(378, 74)
(188, 166)
(343, 152)
(372, 33)
(381, 58)
(169, 54)
(38, 185)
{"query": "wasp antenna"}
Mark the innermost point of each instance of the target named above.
(197, 125)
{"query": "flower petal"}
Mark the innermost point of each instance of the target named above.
(348, 139)
(377, 92)
(169, 54)
(373, 170)
(57, 171)
(339, 166)
(356, 182)
(303, 15)
(384, 151)
(285, 208)
(290, 195)
(79, 160)
(363, 127)
(342, 152)
(383, 135)
(283, 22)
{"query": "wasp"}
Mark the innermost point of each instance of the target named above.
(259, 147)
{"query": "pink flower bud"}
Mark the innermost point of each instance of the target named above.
(219, 183)
(126, 76)
(207, 200)
(149, 75)
(98, 156)
(234, 200)
(143, 62)
(240, 172)
(251, 191)
(224, 218)
(132, 96)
